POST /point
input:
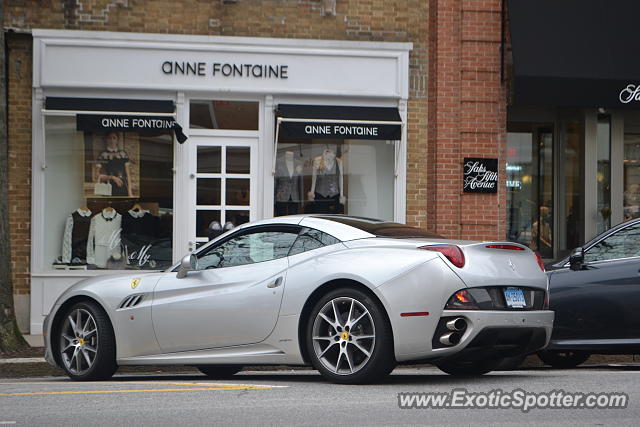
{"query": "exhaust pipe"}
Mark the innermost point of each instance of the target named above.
(456, 324)
(452, 338)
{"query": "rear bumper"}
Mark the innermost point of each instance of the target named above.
(492, 334)
(498, 334)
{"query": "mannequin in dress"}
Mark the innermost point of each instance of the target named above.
(288, 185)
(327, 183)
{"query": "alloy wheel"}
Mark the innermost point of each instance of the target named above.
(344, 335)
(79, 341)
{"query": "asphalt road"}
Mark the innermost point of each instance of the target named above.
(304, 398)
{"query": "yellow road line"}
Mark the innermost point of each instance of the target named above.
(123, 382)
(151, 390)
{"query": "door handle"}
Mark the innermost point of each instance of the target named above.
(275, 283)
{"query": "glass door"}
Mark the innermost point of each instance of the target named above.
(223, 185)
(530, 186)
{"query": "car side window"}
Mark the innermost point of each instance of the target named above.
(623, 244)
(249, 248)
(309, 239)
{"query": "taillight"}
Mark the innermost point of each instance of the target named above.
(539, 259)
(451, 252)
(461, 300)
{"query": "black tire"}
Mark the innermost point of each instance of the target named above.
(563, 359)
(103, 365)
(509, 363)
(368, 318)
(216, 372)
(469, 368)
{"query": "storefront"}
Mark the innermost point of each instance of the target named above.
(573, 144)
(272, 127)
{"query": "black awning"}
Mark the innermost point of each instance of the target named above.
(338, 122)
(575, 52)
(109, 104)
(110, 114)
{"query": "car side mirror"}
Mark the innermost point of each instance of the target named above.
(576, 259)
(187, 264)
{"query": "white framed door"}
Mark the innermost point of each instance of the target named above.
(223, 183)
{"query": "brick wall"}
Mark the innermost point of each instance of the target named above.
(360, 20)
(467, 116)
(19, 120)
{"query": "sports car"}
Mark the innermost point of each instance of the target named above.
(350, 296)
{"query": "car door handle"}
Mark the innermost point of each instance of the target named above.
(275, 283)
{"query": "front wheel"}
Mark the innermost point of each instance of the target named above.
(469, 368)
(219, 372)
(349, 339)
(563, 359)
(86, 343)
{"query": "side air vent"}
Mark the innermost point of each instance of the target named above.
(131, 301)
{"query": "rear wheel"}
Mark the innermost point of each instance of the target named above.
(349, 339)
(509, 363)
(563, 359)
(469, 368)
(219, 372)
(86, 343)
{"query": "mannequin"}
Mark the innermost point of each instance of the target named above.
(327, 183)
(76, 232)
(103, 242)
(288, 185)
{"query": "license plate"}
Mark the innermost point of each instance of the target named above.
(514, 298)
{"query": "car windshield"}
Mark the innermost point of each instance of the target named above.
(380, 228)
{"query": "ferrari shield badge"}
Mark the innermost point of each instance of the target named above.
(135, 283)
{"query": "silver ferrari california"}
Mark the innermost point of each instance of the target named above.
(350, 296)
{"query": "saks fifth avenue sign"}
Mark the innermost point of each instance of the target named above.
(630, 93)
(217, 69)
(480, 175)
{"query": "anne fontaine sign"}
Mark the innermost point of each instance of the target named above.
(217, 69)
(480, 175)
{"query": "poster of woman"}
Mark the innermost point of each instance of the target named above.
(112, 165)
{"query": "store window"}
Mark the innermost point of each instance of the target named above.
(631, 175)
(530, 186)
(108, 198)
(336, 160)
(339, 176)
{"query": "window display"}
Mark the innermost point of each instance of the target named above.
(121, 185)
(335, 176)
